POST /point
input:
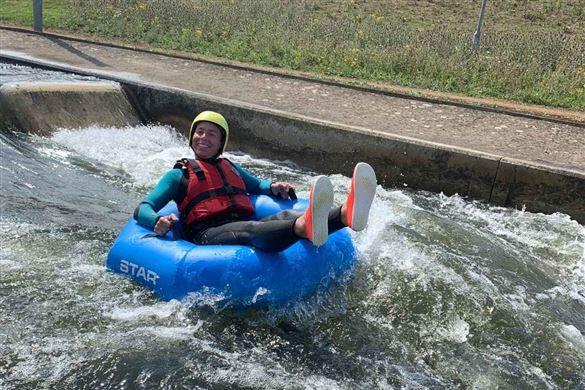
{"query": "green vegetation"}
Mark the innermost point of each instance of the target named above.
(532, 51)
(20, 12)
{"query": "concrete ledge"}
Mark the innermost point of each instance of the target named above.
(541, 188)
(326, 147)
(399, 161)
(334, 148)
(41, 107)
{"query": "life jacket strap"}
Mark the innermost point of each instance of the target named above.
(227, 190)
(196, 168)
(211, 194)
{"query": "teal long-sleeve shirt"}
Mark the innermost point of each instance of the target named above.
(166, 189)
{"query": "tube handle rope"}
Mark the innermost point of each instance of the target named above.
(291, 194)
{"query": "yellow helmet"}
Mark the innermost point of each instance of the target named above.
(213, 117)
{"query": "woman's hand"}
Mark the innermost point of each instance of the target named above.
(281, 189)
(164, 224)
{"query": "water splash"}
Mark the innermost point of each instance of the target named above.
(449, 292)
(143, 152)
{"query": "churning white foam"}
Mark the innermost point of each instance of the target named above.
(159, 310)
(143, 152)
(573, 337)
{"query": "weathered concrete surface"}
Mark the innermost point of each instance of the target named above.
(40, 107)
(327, 147)
(508, 160)
(540, 187)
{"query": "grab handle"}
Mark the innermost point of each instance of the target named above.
(291, 194)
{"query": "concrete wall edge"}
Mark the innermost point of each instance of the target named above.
(418, 164)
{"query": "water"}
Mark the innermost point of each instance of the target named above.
(449, 293)
(18, 73)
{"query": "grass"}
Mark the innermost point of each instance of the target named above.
(20, 12)
(532, 51)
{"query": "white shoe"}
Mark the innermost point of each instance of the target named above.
(361, 196)
(317, 214)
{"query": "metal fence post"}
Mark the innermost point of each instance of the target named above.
(38, 15)
(477, 35)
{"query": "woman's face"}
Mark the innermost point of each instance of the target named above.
(206, 140)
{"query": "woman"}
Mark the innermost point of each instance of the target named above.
(212, 195)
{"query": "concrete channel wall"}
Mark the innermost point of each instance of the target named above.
(40, 107)
(333, 148)
(398, 161)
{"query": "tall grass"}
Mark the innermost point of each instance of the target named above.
(21, 12)
(542, 66)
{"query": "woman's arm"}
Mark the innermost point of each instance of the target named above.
(265, 187)
(146, 214)
(253, 184)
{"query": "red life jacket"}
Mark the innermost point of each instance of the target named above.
(214, 190)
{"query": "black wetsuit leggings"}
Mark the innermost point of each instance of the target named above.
(271, 234)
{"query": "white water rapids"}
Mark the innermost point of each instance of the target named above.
(449, 293)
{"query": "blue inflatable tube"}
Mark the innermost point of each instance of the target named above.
(240, 275)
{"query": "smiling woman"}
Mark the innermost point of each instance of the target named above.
(213, 198)
(208, 135)
(207, 140)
